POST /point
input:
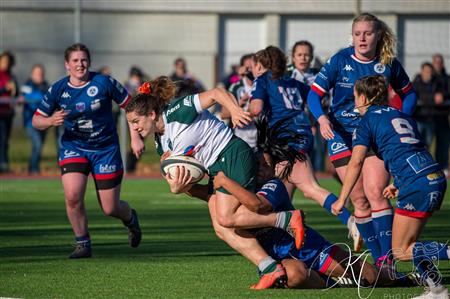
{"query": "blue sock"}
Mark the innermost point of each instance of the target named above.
(433, 250)
(424, 265)
(382, 224)
(343, 217)
(365, 227)
(85, 241)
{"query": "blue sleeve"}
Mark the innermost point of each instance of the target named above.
(275, 192)
(362, 134)
(402, 86)
(409, 102)
(117, 92)
(314, 104)
(259, 90)
(49, 103)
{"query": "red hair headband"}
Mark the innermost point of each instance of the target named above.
(145, 88)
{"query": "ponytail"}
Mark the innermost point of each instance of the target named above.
(153, 96)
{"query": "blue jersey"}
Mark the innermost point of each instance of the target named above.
(280, 244)
(340, 74)
(284, 98)
(33, 95)
(394, 137)
(90, 123)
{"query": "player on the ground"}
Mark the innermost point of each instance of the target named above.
(372, 53)
(419, 184)
(186, 127)
(281, 100)
(82, 102)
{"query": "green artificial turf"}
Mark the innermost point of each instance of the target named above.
(179, 257)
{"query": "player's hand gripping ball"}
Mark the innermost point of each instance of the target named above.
(196, 169)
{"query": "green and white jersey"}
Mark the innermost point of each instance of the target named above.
(248, 133)
(190, 130)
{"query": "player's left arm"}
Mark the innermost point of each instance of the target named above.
(351, 176)
(239, 117)
(254, 202)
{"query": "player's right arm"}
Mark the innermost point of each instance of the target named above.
(254, 202)
(42, 122)
(322, 84)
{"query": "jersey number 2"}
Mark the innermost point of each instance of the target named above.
(403, 127)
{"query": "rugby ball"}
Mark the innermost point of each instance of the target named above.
(194, 166)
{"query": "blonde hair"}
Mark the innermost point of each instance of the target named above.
(387, 44)
(374, 88)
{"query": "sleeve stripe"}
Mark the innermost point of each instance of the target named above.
(125, 101)
(40, 112)
(317, 89)
(407, 88)
(197, 104)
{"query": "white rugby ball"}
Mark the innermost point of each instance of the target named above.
(191, 164)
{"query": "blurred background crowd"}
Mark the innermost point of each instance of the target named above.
(201, 42)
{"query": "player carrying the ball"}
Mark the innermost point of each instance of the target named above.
(185, 127)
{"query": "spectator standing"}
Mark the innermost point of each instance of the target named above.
(430, 92)
(32, 94)
(181, 74)
(8, 90)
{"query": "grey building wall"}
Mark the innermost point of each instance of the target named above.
(151, 34)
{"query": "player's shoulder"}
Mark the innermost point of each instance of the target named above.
(343, 54)
(58, 86)
(100, 78)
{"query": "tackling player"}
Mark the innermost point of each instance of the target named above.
(281, 100)
(82, 102)
(186, 127)
(419, 184)
(372, 53)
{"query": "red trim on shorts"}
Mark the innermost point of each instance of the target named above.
(317, 90)
(108, 176)
(413, 214)
(329, 259)
(73, 160)
(345, 154)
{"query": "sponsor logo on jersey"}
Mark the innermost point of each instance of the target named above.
(189, 151)
(119, 87)
(80, 106)
(45, 104)
(173, 109)
(270, 186)
(348, 114)
(337, 147)
(68, 154)
(321, 75)
(50, 89)
(65, 95)
(345, 79)
(95, 105)
(187, 102)
(379, 68)
(348, 68)
(409, 207)
(107, 168)
(435, 176)
(92, 91)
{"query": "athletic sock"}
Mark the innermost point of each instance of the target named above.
(84, 241)
(365, 228)
(267, 265)
(382, 225)
(424, 265)
(131, 222)
(283, 219)
(344, 216)
(433, 250)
